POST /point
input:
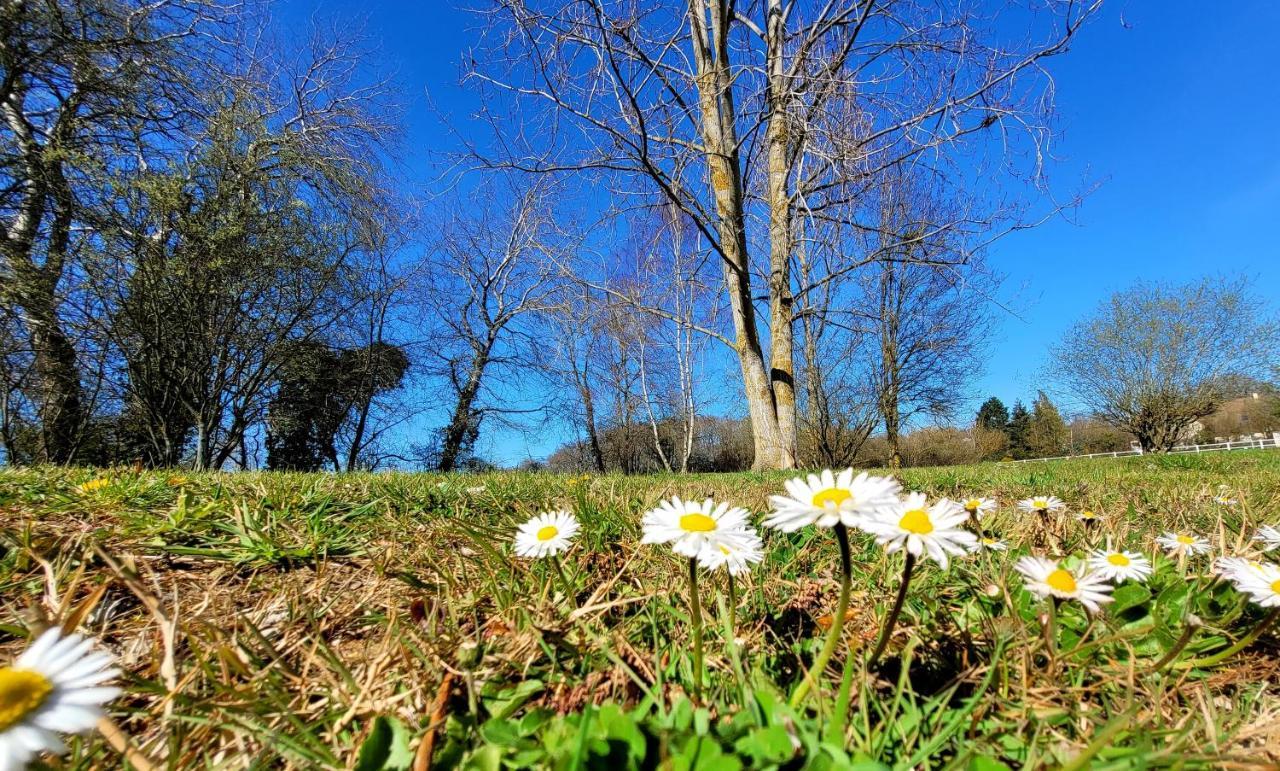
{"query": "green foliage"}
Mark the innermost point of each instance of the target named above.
(1046, 434)
(993, 415)
(318, 389)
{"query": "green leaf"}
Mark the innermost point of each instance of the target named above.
(1129, 596)
(377, 746)
(504, 703)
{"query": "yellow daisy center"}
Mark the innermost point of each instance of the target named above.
(22, 691)
(697, 522)
(1275, 586)
(831, 497)
(1062, 581)
(1086, 514)
(1119, 560)
(1039, 503)
(972, 505)
(1186, 540)
(548, 532)
(724, 549)
(916, 521)
(988, 541)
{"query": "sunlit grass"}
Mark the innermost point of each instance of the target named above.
(297, 620)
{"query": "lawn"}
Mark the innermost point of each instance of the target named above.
(381, 621)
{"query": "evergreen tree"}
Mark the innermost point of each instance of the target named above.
(1018, 428)
(1047, 433)
(993, 415)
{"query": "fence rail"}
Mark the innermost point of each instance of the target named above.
(1264, 443)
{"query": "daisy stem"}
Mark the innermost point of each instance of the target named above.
(695, 606)
(1183, 639)
(1241, 644)
(564, 580)
(733, 608)
(1051, 631)
(837, 621)
(892, 620)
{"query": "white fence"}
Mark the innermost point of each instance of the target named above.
(1263, 443)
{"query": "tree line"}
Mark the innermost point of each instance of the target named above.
(690, 236)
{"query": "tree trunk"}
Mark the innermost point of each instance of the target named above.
(780, 156)
(774, 449)
(61, 403)
(589, 414)
(456, 432)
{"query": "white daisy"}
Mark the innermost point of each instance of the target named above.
(1041, 504)
(990, 544)
(1262, 584)
(737, 552)
(1223, 500)
(1117, 566)
(1270, 537)
(979, 507)
(1089, 517)
(1183, 543)
(1047, 578)
(1231, 568)
(55, 687)
(933, 530)
(829, 499)
(546, 535)
(690, 527)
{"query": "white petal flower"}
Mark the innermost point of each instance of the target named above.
(1089, 517)
(829, 499)
(1223, 500)
(737, 552)
(1183, 543)
(1269, 536)
(55, 687)
(1262, 584)
(1041, 504)
(1231, 568)
(546, 535)
(1117, 566)
(934, 531)
(1047, 578)
(689, 527)
(979, 507)
(990, 544)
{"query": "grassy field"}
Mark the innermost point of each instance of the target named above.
(381, 621)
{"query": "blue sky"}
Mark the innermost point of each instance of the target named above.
(1173, 108)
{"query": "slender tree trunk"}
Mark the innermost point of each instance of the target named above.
(589, 415)
(455, 433)
(781, 153)
(773, 449)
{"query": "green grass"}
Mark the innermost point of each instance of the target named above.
(312, 621)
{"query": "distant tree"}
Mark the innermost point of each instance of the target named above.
(319, 390)
(487, 278)
(1152, 359)
(931, 325)
(993, 415)
(1018, 429)
(1047, 433)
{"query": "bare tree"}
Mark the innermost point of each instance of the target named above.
(491, 271)
(1154, 358)
(766, 114)
(929, 324)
